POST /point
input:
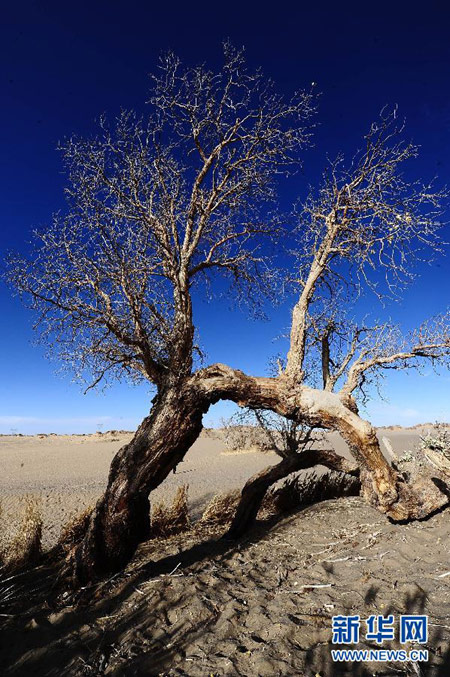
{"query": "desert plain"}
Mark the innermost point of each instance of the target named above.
(195, 604)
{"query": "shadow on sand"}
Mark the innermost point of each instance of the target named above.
(206, 608)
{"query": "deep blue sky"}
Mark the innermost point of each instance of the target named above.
(64, 63)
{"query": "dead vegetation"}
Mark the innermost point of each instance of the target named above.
(263, 606)
(74, 530)
(437, 439)
(251, 429)
(24, 548)
(297, 491)
(168, 519)
(221, 509)
(191, 189)
(242, 438)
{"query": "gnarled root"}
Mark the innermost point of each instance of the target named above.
(418, 490)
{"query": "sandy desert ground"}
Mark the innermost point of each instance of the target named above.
(194, 605)
(67, 473)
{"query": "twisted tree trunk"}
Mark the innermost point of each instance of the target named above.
(382, 485)
(401, 497)
(120, 520)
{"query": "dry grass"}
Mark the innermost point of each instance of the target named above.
(172, 517)
(2, 545)
(168, 519)
(309, 488)
(221, 509)
(25, 547)
(74, 530)
(295, 492)
(269, 506)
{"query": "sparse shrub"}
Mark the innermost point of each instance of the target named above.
(220, 510)
(244, 437)
(210, 433)
(309, 488)
(74, 530)
(437, 439)
(407, 457)
(268, 432)
(25, 548)
(167, 520)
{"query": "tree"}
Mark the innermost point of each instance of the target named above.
(160, 204)
(299, 447)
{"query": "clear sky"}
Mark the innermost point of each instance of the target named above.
(62, 64)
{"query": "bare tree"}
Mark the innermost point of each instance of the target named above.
(160, 203)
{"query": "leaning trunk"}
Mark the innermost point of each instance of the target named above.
(415, 495)
(120, 520)
(256, 487)
(378, 479)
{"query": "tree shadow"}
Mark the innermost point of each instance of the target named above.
(59, 629)
(167, 616)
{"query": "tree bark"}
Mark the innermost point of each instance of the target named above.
(382, 485)
(256, 487)
(120, 520)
